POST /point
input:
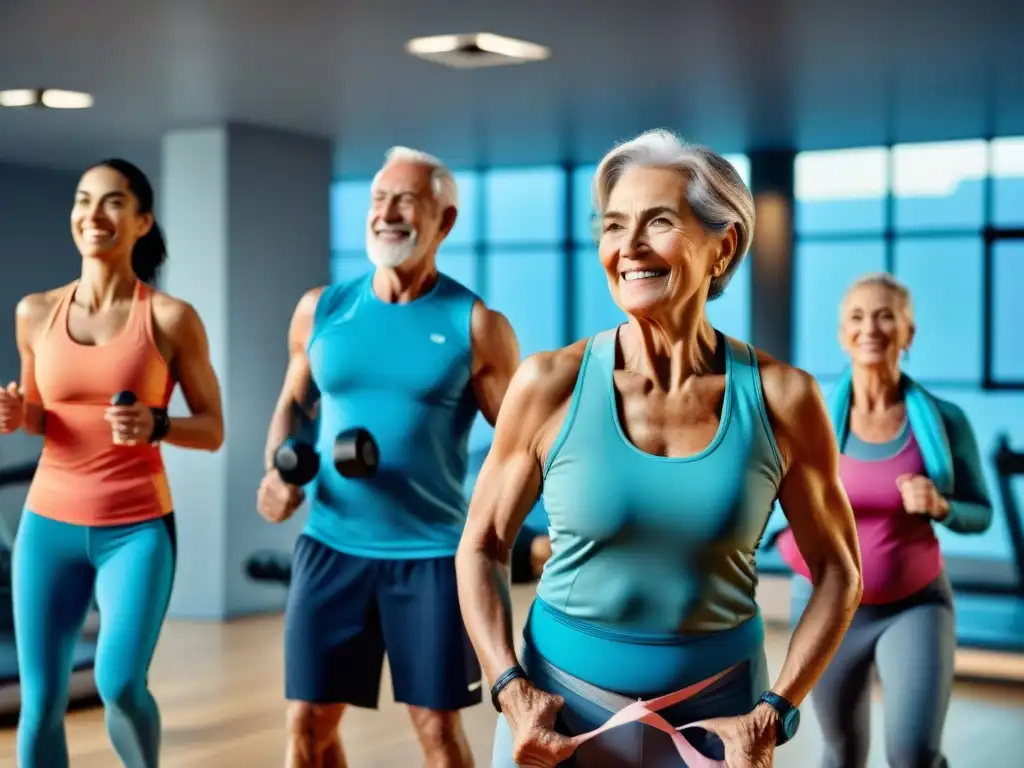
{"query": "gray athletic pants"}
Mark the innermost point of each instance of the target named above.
(911, 644)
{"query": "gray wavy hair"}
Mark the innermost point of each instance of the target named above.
(715, 192)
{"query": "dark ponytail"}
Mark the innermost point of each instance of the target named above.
(148, 254)
(150, 250)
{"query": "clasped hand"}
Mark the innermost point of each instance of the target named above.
(921, 497)
(130, 424)
(276, 500)
(749, 740)
(530, 714)
(12, 409)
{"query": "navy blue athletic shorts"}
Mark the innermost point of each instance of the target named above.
(344, 612)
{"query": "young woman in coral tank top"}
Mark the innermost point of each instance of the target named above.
(98, 517)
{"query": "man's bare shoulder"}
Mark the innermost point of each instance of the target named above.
(306, 308)
(487, 325)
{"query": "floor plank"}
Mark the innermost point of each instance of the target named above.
(220, 691)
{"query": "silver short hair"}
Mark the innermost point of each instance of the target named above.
(883, 280)
(442, 182)
(715, 192)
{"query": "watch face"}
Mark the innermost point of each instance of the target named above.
(791, 722)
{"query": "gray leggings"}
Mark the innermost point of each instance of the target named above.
(911, 644)
(634, 745)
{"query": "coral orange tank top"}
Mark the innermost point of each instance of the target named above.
(83, 477)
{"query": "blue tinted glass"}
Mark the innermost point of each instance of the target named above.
(481, 435)
(730, 312)
(1007, 311)
(1008, 182)
(939, 186)
(841, 191)
(583, 204)
(742, 165)
(990, 416)
(594, 310)
(350, 202)
(822, 272)
(527, 287)
(944, 276)
(348, 267)
(467, 225)
(459, 264)
(525, 205)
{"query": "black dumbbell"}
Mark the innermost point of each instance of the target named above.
(355, 456)
(275, 567)
(297, 462)
(124, 398)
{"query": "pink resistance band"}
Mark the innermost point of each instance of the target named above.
(647, 712)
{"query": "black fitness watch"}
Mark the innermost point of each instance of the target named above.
(502, 682)
(161, 425)
(789, 716)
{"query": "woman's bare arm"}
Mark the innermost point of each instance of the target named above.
(32, 312)
(819, 514)
(180, 324)
(506, 489)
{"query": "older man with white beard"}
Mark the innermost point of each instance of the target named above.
(412, 356)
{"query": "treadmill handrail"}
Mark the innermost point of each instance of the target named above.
(18, 474)
(1008, 464)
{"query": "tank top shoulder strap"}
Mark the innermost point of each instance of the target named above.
(590, 394)
(748, 396)
(458, 302)
(141, 318)
(335, 298)
(58, 314)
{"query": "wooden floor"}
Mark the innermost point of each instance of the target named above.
(220, 691)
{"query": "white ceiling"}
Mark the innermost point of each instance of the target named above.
(807, 73)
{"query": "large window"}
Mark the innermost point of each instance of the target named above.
(947, 219)
(842, 192)
(1007, 282)
(939, 187)
(1007, 157)
(943, 217)
(821, 273)
(944, 275)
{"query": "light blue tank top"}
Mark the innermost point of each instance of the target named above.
(654, 553)
(403, 372)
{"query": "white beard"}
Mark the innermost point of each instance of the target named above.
(390, 255)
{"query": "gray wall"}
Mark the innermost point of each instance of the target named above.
(36, 253)
(246, 212)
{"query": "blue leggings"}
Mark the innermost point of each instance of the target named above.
(56, 567)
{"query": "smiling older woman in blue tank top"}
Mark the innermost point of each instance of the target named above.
(660, 447)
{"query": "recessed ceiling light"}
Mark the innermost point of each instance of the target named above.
(52, 98)
(481, 49)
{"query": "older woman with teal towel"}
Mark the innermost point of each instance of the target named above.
(909, 462)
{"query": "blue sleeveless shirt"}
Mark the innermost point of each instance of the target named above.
(403, 372)
(652, 579)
